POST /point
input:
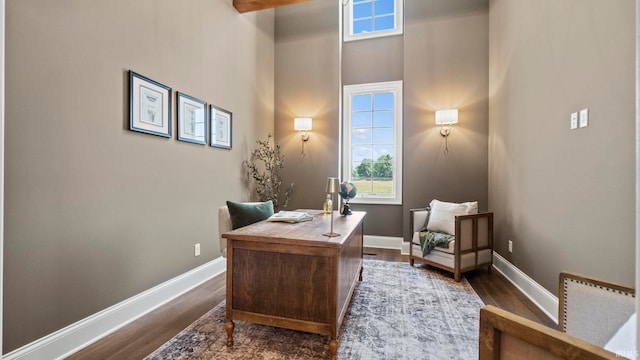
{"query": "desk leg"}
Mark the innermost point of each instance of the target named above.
(360, 278)
(333, 348)
(230, 327)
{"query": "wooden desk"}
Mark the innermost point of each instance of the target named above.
(291, 276)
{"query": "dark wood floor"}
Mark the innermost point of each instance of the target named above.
(143, 336)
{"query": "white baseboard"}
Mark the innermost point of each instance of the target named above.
(541, 297)
(382, 242)
(405, 248)
(74, 337)
(386, 242)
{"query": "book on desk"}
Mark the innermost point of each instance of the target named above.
(290, 216)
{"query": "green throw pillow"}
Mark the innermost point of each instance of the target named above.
(243, 214)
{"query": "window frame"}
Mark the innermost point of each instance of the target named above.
(374, 88)
(348, 23)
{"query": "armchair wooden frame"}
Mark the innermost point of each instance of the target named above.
(468, 231)
(504, 335)
(590, 311)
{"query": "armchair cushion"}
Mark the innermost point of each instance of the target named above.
(243, 214)
(449, 249)
(430, 239)
(442, 217)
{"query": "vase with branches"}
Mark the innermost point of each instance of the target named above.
(263, 168)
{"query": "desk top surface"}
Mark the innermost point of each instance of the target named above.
(309, 232)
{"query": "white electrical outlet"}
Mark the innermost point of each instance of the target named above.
(584, 117)
(574, 120)
(510, 246)
(196, 249)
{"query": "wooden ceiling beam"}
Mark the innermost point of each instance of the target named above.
(254, 5)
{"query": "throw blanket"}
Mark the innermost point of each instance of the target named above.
(431, 239)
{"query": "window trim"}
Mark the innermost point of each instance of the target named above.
(348, 23)
(390, 86)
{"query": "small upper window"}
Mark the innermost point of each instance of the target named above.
(365, 19)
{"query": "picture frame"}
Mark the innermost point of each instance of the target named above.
(192, 119)
(149, 106)
(220, 125)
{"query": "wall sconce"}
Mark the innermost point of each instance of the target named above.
(303, 124)
(446, 118)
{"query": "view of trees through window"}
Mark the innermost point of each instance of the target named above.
(374, 176)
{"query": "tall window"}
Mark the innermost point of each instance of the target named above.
(373, 141)
(364, 19)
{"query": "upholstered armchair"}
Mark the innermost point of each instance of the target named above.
(596, 320)
(472, 247)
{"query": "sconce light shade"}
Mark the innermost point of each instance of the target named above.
(302, 124)
(447, 117)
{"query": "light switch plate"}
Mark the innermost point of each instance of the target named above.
(574, 120)
(196, 249)
(584, 118)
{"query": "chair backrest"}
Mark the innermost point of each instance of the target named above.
(593, 309)
(224, 225)
(507, 336)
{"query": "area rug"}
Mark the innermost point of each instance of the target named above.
(397, 312)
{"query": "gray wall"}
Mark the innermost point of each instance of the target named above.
(565, 197)
(445, 66)
(443, 60)
(96, 213)
(307, 84)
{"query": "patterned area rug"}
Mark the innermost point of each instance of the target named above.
(397, 312)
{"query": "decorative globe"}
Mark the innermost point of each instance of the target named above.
(347, 191)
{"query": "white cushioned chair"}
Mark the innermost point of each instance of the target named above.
(593, 309)
(592, 315)
(473, 244)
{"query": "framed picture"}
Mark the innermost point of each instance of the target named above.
(149, 106)
(192, 119)
(220, 120)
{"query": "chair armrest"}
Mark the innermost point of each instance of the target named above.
(224, 225)
(474, 216)
(593, 309)
(474, 232)
(418, 218)
(509, 336)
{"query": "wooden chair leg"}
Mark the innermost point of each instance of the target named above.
(411, 262)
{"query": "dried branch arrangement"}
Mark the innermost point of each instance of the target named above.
(263, 168)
